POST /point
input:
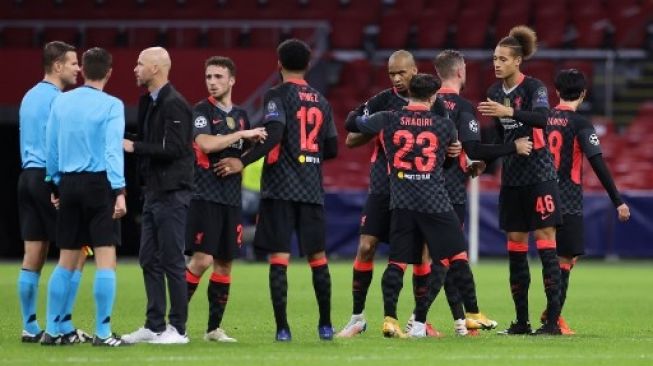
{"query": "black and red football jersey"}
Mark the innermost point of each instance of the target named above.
(387, 100)
(518, 170)
(455, 176)
(571, 136)
(210, 119)
(293, 168)
(415, 141)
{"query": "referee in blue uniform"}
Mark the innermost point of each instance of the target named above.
(86, 163)
(36, 214)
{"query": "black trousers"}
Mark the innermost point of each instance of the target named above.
(161, 256)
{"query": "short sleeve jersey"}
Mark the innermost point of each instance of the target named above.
(571, 136)
(293, 168)
(387, 100)
(462, 113)
(209, 119)
(518, 170)
(415, 142)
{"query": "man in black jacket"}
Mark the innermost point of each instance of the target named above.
(166, 156)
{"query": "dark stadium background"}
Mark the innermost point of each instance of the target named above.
(609, 40)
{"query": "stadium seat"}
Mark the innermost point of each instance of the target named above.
(223, 37)
(18, 37)
(409, 9)
(69, 35)
(364, 11)
(347, 33)
(471, 28)
(106, 37)
(264, 37)
(509, 16)
(446, 8)
(184, 37)
(432, 30)
(146, 37)
(393, 32)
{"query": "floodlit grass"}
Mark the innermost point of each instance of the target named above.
(607, 306)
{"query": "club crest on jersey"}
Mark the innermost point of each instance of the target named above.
(272, 110)
(473, 126)
(518, 102)
(594, 140)
(231, 122)
(200, 122)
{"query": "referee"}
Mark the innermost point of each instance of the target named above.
(37, 215)
(86, 163)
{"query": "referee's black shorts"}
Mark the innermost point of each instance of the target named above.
(37, 215)
(86, 204)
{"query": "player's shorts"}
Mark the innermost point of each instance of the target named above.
(460, 211)
(278, 219)
(570, 238)
(86, 204)
(37, 215)
(214, 229)
(409, 230)
(526, 208)
(375, 219)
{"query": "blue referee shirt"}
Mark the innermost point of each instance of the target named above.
(33, 115)
(84, 134)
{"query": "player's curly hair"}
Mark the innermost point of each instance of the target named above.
(294, 54)
(522, 40)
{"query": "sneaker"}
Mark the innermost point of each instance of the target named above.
(391, 328)
(548, 329)
(564, 327)
(356, 325)
(325, 332)
(50, 340)
(479, 321)
(409, 323)
(218, 335)
(113, 340)
(171, 336)
(76, 336)
(141, 335)
(460, 328)
(417, 330)
(517, 328)
(27, 337)
(432, 332)
(283, 335)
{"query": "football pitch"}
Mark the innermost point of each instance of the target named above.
(608, 306)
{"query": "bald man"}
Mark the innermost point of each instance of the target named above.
(375, 218)
(164, 146)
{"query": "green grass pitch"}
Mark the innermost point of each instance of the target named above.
(609, 305)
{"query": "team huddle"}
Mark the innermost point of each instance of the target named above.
(427, 143)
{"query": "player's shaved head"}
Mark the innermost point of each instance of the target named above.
(401, 68)
(403, 57)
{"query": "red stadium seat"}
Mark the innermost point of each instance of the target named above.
(630, 28)
(184, 37)
(471, 28)
(18, 37)
(102, 37)
(357, 74)
(346, 33)
(264, 37)
(446, 8)
(69, 35)
(510, 16)
(550, 31)
(432, 30)
(394, 31)
(410, 9)
(223, 37)
(364, 11)
(145, 37)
